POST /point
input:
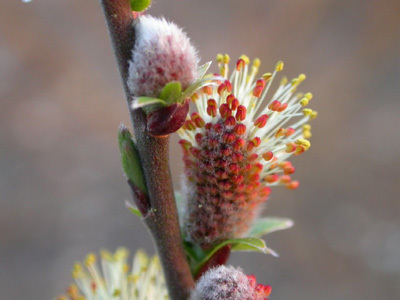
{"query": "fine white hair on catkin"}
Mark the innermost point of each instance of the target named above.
(162, 53)
(221, 283)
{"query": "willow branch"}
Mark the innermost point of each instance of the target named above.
(163, 218)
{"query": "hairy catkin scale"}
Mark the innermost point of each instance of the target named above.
(222, 283)
(162, 53)
(222, 183)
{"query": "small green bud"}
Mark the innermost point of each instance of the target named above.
(140, 5)
(130, 158)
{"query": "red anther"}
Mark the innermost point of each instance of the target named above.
(261, 121)
(234, 169)
(195, 151)
(225, 111)
(213, 143)
(250, 146)
(223, 164)
(280, 132)
(217, 162)
(198, 137)
(241, 113)
(268, 155)
(299, 149)
(221, 174)
(218, 127)
(252, 157)
(230, 121)
(293, 185)
(194, 97)
(289, 131)
(272, 178)
(237, 157)
(207, 89)
(265, 191)
(211, 111)
(256, 141)
(240, 129)
(227, 194)
(240, 64)
(197, 119)
(289, 170)
(238, 180)
(185, 144)
(261, 83)
(264, 290)
(212, 102)
(274, 105)
(291, 147)
(247, 168)
(226, 151)
(208, 126)
(254, 177)
(241, 186)
(285, 164)
(257, 91)
(228, 86)
(285, 179)
(257, 168)
(229, 99)
(282, 107)
(226, 185)
(252, 280)
(221, 88)
(273, 165)
(189, 125)
(235, 104)
(228, 138)
(239, 144)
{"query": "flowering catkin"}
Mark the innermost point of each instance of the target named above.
(222, 283)
(236, 147)
(162, 53)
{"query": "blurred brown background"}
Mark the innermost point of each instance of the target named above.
(62, 189)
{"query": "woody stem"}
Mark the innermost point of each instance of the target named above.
(162, 218)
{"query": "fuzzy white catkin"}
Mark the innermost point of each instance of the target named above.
(222, 283)
(162, 53)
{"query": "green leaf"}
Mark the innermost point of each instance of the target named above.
(198, 84)
(130, 159)
(171, 92)
(133, 209)
(264, 226)
(251, 244)
(139, 5)
(239, 244)
(145, 101)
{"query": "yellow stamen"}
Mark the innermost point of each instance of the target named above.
(256, 63)
(308, 96)
(279, 66)
(90, 259)
(307, 112)
(304, 101)
(220, 58)
(314, 114)
(245, 58)
(226, 59)
(267, 76)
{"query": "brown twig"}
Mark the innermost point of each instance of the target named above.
(153, 151)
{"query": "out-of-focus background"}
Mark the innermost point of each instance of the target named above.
(62, 189)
